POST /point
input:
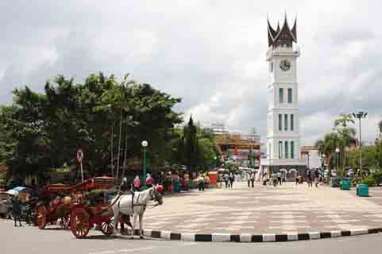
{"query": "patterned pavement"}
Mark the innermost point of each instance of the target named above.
(266, 209)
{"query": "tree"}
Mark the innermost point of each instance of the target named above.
(191, 150)
(45, 129)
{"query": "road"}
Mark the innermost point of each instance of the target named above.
(34, 241)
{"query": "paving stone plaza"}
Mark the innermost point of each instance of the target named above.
(266, 209)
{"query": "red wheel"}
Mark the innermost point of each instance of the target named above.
(107, 228)
(79, 222)
(41, 216)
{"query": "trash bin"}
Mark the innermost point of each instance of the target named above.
(362, 190)
(345, 184)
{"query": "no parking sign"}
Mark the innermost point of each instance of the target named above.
(80, 155)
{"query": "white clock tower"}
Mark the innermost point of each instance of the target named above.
(283, 130)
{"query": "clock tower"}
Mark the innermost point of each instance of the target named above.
(283, 129)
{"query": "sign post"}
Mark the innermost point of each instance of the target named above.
(80, 157)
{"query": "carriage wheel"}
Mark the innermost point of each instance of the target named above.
(41, 216)
(107, 228)
(79, 223)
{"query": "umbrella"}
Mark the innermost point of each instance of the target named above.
(19, 188)
(12, 192)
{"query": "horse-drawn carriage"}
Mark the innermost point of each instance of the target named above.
(59, 201)
(93, 209)
(105, 216)
(55, 204)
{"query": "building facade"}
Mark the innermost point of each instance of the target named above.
(283, 128)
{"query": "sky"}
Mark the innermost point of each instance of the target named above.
(210, 53)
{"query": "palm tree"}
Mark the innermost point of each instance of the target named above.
(328, 147)
(346, 136)
(342, 120)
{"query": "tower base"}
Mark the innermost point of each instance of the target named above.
(289, 168)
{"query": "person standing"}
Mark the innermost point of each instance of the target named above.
(136, 183)
(149, 180)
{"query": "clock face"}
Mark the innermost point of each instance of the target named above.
(285, 65)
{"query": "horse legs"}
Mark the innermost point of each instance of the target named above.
(140, 226)
(134, 223)
(115, 222)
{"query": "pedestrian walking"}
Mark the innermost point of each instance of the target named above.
(310, 178)
(316, 177)
(279, 177)
(249, 179)
(252, 178)
(231, 179)
(226, 180)
(16, 210)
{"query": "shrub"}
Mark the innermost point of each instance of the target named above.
(378, 176)
(369, 180)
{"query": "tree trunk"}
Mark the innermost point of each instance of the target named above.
(125, 151)
(119, 146)
(111, 149)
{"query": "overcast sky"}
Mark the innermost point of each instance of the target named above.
(209, 53)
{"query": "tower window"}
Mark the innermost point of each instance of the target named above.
(281, 95)
(286, 150)
(271, 66)
(286, 122)
(292, 122)
(280, 122)
(280, 149)
(290, 95)
(292, 149)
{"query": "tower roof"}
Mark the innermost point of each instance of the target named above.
(282, 37)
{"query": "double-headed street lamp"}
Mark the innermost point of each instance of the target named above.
(144, 145)
(359, 115)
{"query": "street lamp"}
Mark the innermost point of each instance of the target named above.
(144, 145)
(360, 115)
(337, 159)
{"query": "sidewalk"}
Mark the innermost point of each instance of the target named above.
(265, 209)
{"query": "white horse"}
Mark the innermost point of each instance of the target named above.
(135, 205)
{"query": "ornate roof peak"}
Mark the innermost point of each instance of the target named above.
(284, 36)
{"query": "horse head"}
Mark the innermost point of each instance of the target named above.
(155, 193)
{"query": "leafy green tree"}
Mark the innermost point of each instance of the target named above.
(105, 117)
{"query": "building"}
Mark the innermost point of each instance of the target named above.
(311, 156)
(283, 129)
(244, 149)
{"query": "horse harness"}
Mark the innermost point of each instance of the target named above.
(132, 201)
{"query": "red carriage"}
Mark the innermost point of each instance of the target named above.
(85, 215)
(53, 207)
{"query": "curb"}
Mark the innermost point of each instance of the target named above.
(223, 237)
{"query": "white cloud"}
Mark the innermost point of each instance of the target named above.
(209, 52)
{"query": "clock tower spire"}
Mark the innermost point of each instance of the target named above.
(283, 129)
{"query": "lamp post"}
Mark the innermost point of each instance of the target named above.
(359, 115)
(337, 159)
(144, 145)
